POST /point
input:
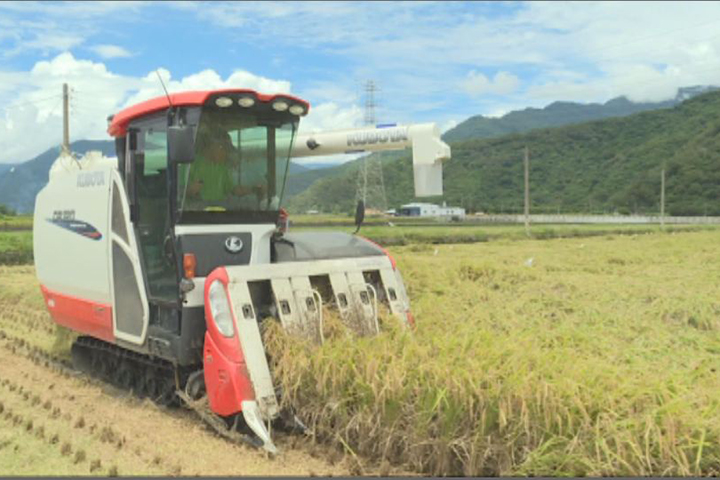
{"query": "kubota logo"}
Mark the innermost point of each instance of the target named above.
(233, 244)
(371, 137)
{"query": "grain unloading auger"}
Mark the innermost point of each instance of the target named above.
(167, 259)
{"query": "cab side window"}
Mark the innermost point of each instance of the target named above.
(152, 198)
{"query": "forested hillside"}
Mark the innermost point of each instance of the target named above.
(601, 166)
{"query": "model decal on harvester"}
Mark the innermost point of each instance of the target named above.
(78, 226)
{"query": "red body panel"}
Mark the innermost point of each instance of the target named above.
(120, 121)
(227, 382)
(226, 377)
(84, 316)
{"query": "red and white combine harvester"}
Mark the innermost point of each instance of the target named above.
(168, 258)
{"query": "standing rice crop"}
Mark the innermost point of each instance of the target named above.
(599, 357)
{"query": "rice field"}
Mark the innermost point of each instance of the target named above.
(584, 356)
(15, 222)
(567, 356)
(449, 233)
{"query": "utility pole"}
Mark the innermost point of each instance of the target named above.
(662, 197)
(66, 120)
(527, 192)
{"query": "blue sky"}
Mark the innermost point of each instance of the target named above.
(433, 61)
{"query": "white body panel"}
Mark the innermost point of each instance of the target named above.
(79, 194)
(66, 261)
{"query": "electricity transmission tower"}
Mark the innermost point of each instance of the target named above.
(66, 119)
(370, 186)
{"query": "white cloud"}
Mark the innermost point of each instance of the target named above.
(54, 41)
(503, 83)
(326, 117)
(150, 87)
(331, 116)
(428, 57)
(31, 113)
(110, 51)
(586, 51)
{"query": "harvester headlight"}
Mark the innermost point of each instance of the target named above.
(246, 102)
(220, 308)
(297, 110)
(223, 102)
(280, 105)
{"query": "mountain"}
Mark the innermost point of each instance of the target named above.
(296, 168)
(19, 187)
(600, 166)
(332, 188)
(4, 167)
(560, 113)
(296, 184)
(555, 114)
(319, 165)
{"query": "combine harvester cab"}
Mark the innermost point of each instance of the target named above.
(167, 259)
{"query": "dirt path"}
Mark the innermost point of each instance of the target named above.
(66, 414)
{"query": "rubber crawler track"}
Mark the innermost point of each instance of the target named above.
(149, 377)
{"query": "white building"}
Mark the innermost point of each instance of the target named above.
(430, 210)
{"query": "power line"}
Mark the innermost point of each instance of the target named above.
(33, 102)
(55, 107)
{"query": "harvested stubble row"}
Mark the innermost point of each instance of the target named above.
(564, 357)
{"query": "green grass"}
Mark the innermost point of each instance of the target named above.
(600, 357)
(303, 220)
(22, 222)
(16, 247)
(439, 233)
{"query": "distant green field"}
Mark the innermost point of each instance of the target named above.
(348, 220)
(16, 247)
(22, 222)
(400, 234)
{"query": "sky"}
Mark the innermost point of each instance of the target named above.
(432, 61)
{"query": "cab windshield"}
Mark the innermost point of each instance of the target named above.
(241, 162)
